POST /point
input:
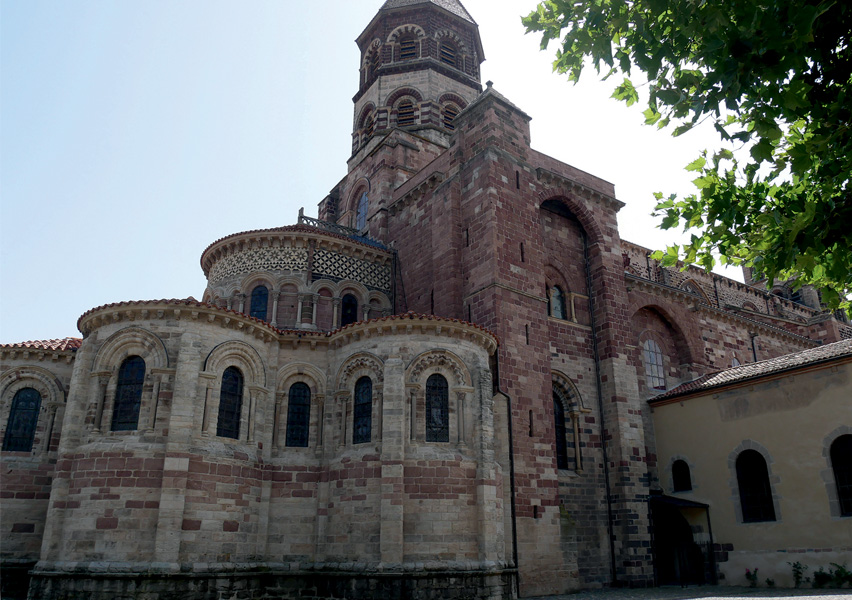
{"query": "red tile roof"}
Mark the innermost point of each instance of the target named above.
(759, 369)
(193, 302)
(69, 343)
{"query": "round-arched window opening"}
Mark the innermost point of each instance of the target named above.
(361, 211)
(259, 302)
(447, 54)
(348, 310)
(451, 111)
(681, 477)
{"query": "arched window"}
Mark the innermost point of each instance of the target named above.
(128, 394)
(405, 113)
(557, 302)
(374, 62)
(361, 211)
(652, 358)
(408, 49)
(841, 464)
(681, 478)
(451, 111)
(363, 412)
(755, 491)
(447, 54)
(735, 362)
(437, 409)
(230, 404)
(21, 426)
(298, 415)
(561, 433)
(369, 124)
(348, 310)
(259, 302)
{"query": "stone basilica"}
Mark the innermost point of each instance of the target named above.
(438, 388)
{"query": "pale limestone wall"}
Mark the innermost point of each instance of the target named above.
(174, 493)
(25, 477)
(792, 419)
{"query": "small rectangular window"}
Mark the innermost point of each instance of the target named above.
(408, 50)
(405, 114)
(448, 54)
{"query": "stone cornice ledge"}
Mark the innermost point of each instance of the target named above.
(549, 177)
(412, 323)
(418, 190)
(191, 310)
(696, 304)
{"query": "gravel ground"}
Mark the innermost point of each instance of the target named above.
(708, 592)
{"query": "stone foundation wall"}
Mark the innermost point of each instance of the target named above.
(269, 583)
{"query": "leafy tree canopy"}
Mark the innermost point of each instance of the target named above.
(774, 76)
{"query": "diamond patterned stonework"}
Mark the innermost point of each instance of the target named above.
(339, 266)
(259, 259)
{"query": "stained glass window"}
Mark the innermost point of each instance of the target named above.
(298, 415)
(230, 404)
(437, 409)
(363, 412)
(21, 427)
(259, 302)
(128, 394)
(361, 212)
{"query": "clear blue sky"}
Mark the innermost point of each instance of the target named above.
(134, 134)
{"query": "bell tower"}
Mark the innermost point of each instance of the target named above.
(419, 68)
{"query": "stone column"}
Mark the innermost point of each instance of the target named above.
(578, 457)
(299, 310)
(83, 389)
(185, 403)
(488, 473)
(335, 312)
(103, 380)
(242, 298)
(206, 396)
(393, 452)
(314, 303)
(155, 402)
(275, 297)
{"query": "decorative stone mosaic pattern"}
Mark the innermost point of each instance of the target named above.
(259, 259)
(340, 266)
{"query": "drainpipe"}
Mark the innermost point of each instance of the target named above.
(496, 376)
(753, 347)
(600, 405)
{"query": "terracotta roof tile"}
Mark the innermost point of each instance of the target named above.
(295, 229)
(193, 302)
(759, 369)
(69, 343)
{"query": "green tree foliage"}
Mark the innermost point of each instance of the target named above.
(775, 77)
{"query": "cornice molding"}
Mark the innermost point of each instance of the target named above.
(551, 178)
(694, 304)
(207, 314)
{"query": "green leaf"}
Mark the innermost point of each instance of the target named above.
(697, 164)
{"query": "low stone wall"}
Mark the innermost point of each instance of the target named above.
(264, 583)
